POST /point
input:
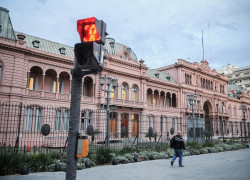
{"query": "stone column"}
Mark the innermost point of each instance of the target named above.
(43, 82)
(118, 124)
(70, 81)
(28, 79)
(57, 84)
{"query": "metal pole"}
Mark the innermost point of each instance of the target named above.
(19, 124)
(137, 128)
(245, 129)
(73, 124)
(223, 129)
(241, 132)
(161, 126)
(107, 130)
(192, 104)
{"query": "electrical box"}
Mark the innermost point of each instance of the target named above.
(82, 146)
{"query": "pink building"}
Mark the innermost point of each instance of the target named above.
(36, 72)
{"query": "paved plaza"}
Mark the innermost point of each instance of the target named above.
(224, 165)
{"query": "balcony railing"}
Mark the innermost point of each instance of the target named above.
(122, 102)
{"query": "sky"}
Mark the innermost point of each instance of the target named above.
(158, 31)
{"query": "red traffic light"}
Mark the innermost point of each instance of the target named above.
(91, 30)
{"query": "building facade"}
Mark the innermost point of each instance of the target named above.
(236, 75)
(36, 72)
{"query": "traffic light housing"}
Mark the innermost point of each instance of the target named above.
(89, 55)
(90, 52)
(92, 30)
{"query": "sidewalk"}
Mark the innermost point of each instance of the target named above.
(224, 165)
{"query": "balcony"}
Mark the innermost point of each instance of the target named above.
(50, 95)
(159, 107)
(127, 103)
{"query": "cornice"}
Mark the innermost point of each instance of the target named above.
(29, 52)
(125, 63)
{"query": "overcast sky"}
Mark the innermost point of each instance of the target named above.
(158, 31)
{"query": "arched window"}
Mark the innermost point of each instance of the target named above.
(134, 93)
(222, 107)
(124, 90)
(173, 100)
(113, 124)
(113, 92)
(168, 100)
(88, 87)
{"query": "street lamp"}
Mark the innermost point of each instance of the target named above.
(110, 82)
(192, 98)
(244, 110)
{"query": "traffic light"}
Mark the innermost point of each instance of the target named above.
(89, 53)
(92, 30)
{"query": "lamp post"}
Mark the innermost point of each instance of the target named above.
(110, 82)
(191, 98)
(244, 109)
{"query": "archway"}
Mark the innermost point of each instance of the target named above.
(207, 107)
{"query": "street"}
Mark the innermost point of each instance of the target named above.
(224, 165)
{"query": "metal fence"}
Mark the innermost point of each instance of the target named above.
(21, 126)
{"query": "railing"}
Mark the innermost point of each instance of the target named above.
(126, 102)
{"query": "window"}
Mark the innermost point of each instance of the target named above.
(150, 122)
(61, 86)
(90, 119)
(58, 120)
(124, 91)
(38, 119)
(124, 56)
(86, 120)
(28, 121)
(154, 100)
(198, 105)
(113, 92)
(53, 86)
(222, 107)
(174, 124)
(239, 112)
(62, 51)
(134, 93)
(83, 121)
(36, 43)
(33, 83)
(66, 120)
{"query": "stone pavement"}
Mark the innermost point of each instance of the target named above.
(224, 165)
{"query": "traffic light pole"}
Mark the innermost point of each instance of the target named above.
(77, 75)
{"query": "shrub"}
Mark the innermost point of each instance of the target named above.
(193, 144)
(129, 157)
(122, 160)
(11, 163)
(103, 155)
(208, 144)
(160, 148)
(127, 149)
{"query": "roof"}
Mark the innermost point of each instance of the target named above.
(6, 28)
(239, 89)
(160, 75)
(113, 48)
(48, 46)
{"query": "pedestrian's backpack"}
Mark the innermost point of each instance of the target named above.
(172, 143)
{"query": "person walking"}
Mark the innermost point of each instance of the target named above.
(178, 144)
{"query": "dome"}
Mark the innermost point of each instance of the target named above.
(113, 48)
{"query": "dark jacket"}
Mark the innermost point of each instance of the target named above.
(178, 142)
